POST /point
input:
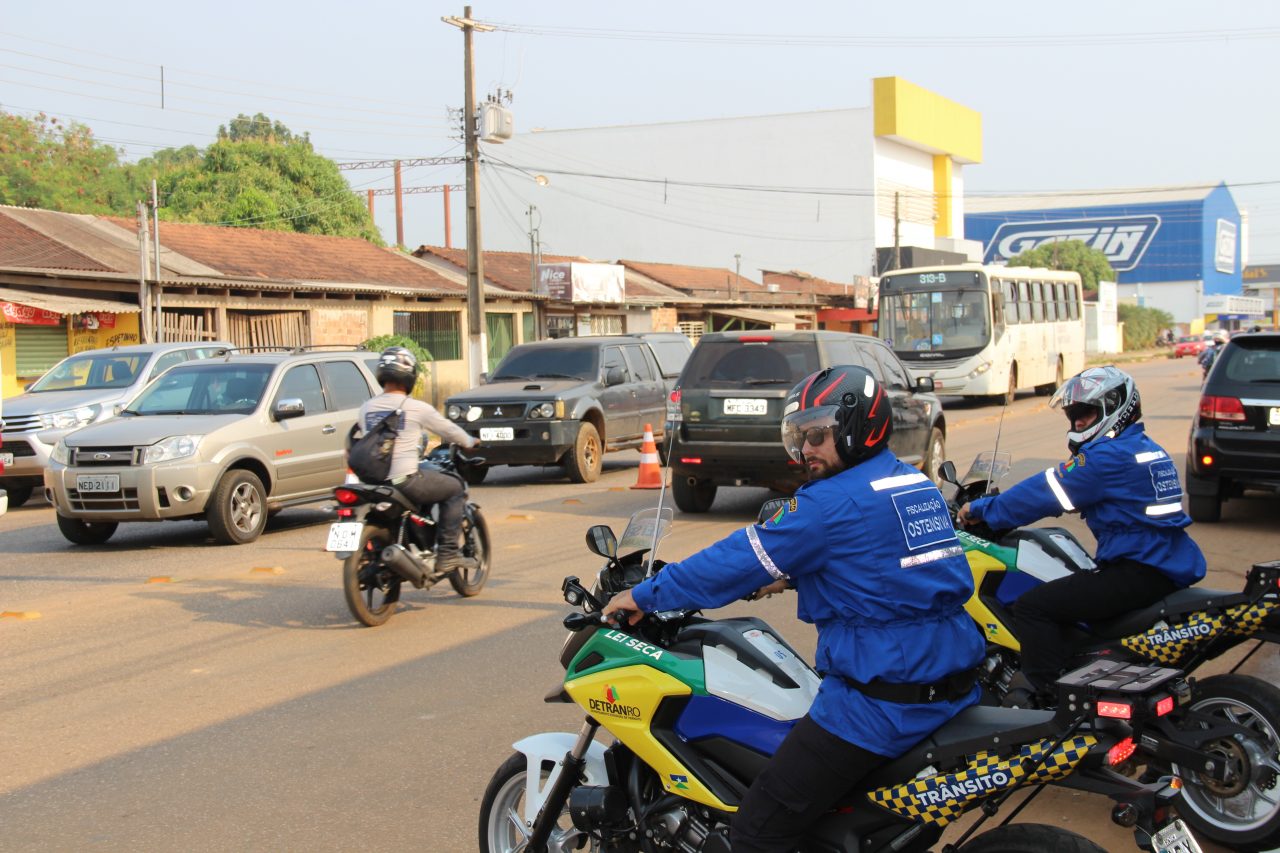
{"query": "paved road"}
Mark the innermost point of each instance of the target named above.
(177, 695)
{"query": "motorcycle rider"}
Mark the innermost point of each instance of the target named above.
(869, 547)
(1211, 354)
(397, 373)
(1126, 488)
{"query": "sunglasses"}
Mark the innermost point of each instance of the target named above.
(817, 436)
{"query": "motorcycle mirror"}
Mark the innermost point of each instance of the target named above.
(577, 621)
(947, 471)
(770, 508)
(600, 540)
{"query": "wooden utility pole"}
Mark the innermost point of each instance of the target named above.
(897, 250)
(144, 296)
(399, 209)
(476, 352)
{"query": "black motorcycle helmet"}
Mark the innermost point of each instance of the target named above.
(397, 364)
(846, 399)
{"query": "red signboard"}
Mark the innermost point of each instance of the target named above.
(27, 316)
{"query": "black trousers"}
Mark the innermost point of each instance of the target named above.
(811, 772)
(427, 487)
(1043, 615)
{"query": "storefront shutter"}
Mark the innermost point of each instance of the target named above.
(39, 348)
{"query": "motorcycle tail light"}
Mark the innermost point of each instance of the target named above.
(1115, 710)
(1164, 706)
(346, 496)
(1121, 751)
(345, 513)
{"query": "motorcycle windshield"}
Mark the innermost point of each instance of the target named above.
(645, 530)
(989, 465)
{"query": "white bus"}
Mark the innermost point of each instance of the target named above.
(985, 331)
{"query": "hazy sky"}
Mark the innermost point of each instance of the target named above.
(1086, 94)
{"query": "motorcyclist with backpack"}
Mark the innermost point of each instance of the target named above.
(868, 545)
(397, 373)
(1126, 488)
(1211, 354)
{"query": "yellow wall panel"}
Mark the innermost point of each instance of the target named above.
(915, 116)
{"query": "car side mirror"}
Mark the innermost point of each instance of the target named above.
(947, 473)
(770, 508)
(484, 378)
(602, 541)
(117, 409)
(27, 387)
(289, 407)
(924, 383)
(615, 376)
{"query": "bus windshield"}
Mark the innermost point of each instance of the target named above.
(935, 320)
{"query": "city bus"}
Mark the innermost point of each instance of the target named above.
(985, 331)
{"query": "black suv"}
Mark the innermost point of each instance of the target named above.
(725, 413)
(1235, 435)
(569, 400)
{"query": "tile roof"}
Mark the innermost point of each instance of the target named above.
(24, 247)
(796, 281)
(511, 270)
(701, 279)
(250, 253)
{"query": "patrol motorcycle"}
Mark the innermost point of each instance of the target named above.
(385, 541)
(682, 712)
(1184, 630)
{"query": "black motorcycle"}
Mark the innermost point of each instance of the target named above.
(385, 541)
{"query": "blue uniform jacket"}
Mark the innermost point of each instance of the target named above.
(1127, 490)
(878, 569)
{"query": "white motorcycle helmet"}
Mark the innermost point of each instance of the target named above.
(1110, 392)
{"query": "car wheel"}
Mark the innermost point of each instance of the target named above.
(1206, 508)
(935, 454)
(18, 495)
(584, 461)
(86, 532)
(237, 510)
(692, 497)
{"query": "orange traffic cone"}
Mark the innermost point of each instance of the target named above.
(650, 469)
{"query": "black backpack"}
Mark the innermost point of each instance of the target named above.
(369, 456)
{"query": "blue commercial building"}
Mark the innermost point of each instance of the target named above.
(1169, 248)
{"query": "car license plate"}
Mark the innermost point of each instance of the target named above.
(344, 536)
(497, 434)
(1175, 838)
(98, 483)
(6, 459)
(1273, 418)
(734, 406)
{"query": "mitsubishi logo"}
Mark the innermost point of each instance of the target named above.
(497, 411)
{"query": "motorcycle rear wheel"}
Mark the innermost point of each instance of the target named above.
(475, 544)
(1030, 838)
(1249, 820)
(502, 826)
(371, 589)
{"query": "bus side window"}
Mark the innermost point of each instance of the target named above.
(1010, 289)
(1075, 302)
(1051, 296)
(1037, 302)
(1024, 302)
(997, 309)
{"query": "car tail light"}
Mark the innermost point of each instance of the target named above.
(346, 496)
(1206, 459)
(691, 460)
(1221, 408)
(1121, 751)
(756, 339)
(1115, 710)
(1164, 706)
(674, 397)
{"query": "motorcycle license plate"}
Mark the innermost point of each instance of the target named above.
(497, 434)
(1273, 417)
(1175, 838)
(344, 536)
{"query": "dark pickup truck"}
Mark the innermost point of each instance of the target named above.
(568, 401)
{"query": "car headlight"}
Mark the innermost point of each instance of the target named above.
(542, 410)
(474, 413)
(61, 453)
(71, 418)
(453, 412)
(173, 447)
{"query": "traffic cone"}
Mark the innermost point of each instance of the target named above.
(650, 469)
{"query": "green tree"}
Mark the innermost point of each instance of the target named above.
(46, 163)
(1075, 255)
(1141, 325)
(259, 174)
(381, 342)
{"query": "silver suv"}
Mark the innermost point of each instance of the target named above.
(230, 439)
(81, 389)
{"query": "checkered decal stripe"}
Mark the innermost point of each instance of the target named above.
(942, 798)
(1170, 646)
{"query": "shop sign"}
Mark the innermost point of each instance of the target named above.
(1123, 239)
(1224, 254)
(25, 315)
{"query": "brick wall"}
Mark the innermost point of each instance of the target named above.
(339, 326)
(664, 320)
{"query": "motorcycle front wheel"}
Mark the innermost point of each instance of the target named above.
(371, 589)
(1244, 815)
(475, 544)
(502, 825)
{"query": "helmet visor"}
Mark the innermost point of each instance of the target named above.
(813, 426)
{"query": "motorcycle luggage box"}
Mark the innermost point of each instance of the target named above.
(1180, 603)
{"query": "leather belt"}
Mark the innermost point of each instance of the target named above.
(950, 689)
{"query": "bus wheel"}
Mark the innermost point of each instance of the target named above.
(1048, 388)
(1007, 397)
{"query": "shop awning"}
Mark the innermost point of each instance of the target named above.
(762, 315)
(41, 305)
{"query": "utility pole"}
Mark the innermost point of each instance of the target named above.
(144, 297)
(476, 354)
(897, 249)
(155, 218)
(737, 273)
(399, 209)
(535, 258)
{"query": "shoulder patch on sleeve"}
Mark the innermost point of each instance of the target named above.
(789, 506)
(1071, 464)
